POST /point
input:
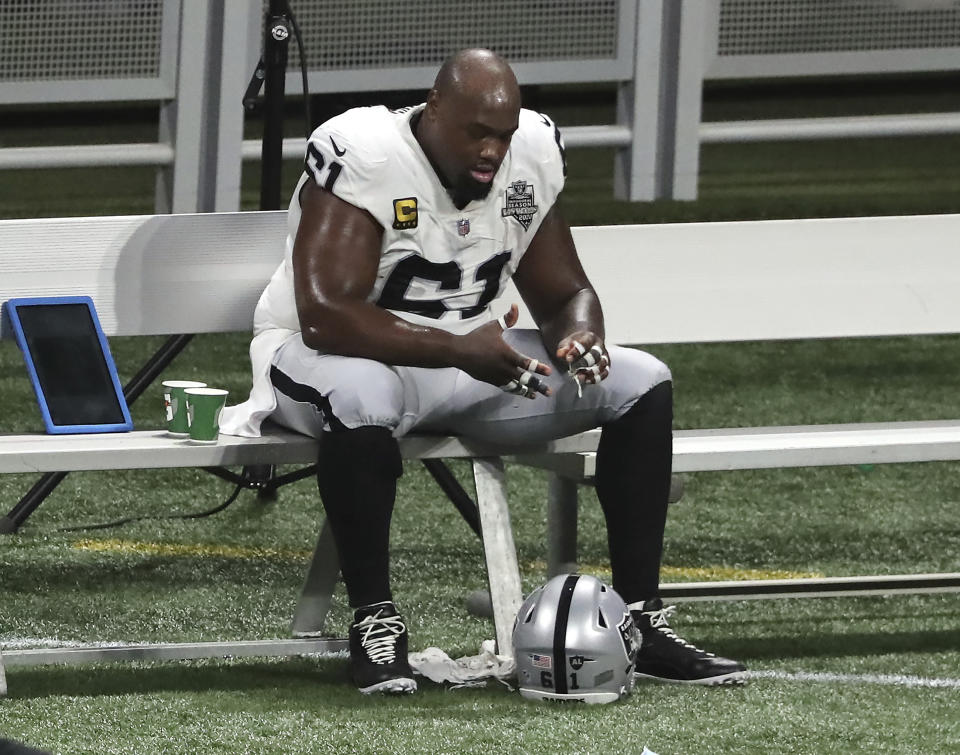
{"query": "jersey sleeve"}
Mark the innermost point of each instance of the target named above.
(342, 161)
(541, 145)
(555, 153)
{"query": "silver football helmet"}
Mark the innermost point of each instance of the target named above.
(574, 640)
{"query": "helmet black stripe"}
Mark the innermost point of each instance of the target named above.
(560, 634)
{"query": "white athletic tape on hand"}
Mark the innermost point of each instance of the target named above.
(519, 387)
(503, 323)
(579, 385)
(572, 369)
(592, 363)
(595, 356)
(533, 382)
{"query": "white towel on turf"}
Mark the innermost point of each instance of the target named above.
(468, 671)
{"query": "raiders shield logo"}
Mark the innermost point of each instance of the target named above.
(518, 202)
(577, 661)
(630, 636)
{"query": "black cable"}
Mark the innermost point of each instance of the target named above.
(303, 69)
(196, 515)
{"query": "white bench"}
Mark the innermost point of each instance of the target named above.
(678, 283)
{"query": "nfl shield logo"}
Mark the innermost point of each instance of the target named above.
(463, 227)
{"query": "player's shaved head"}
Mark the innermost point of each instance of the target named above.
(478, 74)
(471, 114)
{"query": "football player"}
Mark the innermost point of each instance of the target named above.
(403, 231)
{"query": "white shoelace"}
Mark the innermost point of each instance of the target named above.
(378, 636)
(659, 621)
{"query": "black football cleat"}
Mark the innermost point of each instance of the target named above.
(665, 657)
(378, 650)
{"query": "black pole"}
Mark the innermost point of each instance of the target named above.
(455, 492)
(154, 366)
(275, 48)
(33, 498)
(273, 70)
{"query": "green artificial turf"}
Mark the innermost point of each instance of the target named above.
(843, 674)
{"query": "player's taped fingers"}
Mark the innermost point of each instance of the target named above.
(533, 382)
(590, 372)
(593, 374)
(502, 320)
(519, 388)
(594, 357)
(581, 349)
(595, 354)
(602, 364)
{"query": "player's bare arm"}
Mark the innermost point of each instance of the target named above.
(335, 258)
(561, 299)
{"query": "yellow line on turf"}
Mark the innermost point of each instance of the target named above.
(678, 573)
(698, 573)
(709, 573)
(178, 549)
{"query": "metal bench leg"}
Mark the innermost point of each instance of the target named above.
(561, 526)
(503, 572)
(3, 677)
(317, 593)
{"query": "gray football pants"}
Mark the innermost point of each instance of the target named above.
(319, 392)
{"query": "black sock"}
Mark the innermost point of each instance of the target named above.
(357, 473)
(634, 462)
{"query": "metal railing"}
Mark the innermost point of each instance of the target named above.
(654, 51)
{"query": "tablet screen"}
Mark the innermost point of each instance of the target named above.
(71, 368)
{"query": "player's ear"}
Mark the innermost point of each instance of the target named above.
(433, 103)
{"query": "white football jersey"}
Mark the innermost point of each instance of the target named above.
(439, 266)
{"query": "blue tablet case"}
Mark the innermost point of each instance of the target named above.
(69, 364)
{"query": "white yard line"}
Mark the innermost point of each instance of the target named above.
(29, 643)
(894, 680)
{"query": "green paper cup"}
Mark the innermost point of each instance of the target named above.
(175, 402)
(203, 409)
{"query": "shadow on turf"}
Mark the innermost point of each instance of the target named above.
(288, 675)
(292, 681)
(824, 645)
